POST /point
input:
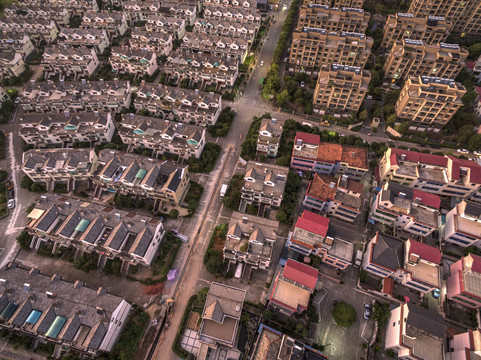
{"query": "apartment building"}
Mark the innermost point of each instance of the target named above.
(246, 4)
(11, 64)
(162, 136)
(215, 45)
(313, 49)
(414, 58)
(17, 42)
(345, 19)
(232, 15)
(226, 28)
(428, 29)
(337, 3)
(249, 244)
(159, 43)
(414, 332)
(77, 7)
(166, 25)
(269, 139)
(22, 10)
(464, 282)
(410, 263)
(339, 198)
(59, 166)
(347, 160)
(304, 153)
(428, 103)
(340, 90)
(89, 227)
(407, 209)
(3, 96)
(75, 62)
(114, 23)
(264, 184)
(188, 106)
(464, 346)
(463, 224)
(44, 130)
(63, 314)
(37, 29)
(125, 60)
(75, 96)
(464, 14)
(90, 38)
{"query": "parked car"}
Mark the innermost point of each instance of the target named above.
(369, 134)
(285, 59)
(262, 63)
(367, 311)
(11, 204)
(463, 151)
(11, 194)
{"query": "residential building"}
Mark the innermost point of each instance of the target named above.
(162, 136)
(23, 10)
(65, 129)
(435, 174)
(59, 166)
(37, 29)
(249, 244)
(463, 224)
(406, 209)
(464, 282)
(414, 58)
(125, 60)
(114, 23)
(477, 106)
(347, 160)
(187, 12)
(313, 49)
(17, 42)
(136, 11)
(159, 43)
(428, 29)
(11, 64)
(304, 153)
(338, 198)
(215, 45)
(89, 227)
(233, 15)
(264, 184)
(75, 62)
(166, 25)
(188, 106)
(246, 4)
(269, 139)
(3, 96)
(428, 103)
(464, 346)
(464, 14)
(89, 38)
(340, 90)
(165, 182)
(416, 333)
(64, 314)
(410, 263)
(202, 69)
(338, 3)
(227, 28)
(77, 7)
(292, 288)
(75, 96)
(345, 19)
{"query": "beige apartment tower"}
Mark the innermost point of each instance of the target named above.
(340, 90)
(429, 102)
(337, 3)
(333, 19)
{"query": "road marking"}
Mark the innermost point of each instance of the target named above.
(362, 332)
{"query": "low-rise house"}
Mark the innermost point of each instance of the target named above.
(159, 43)
(63, 130)
(416, 333)
(11, 64)
(115, 23)
(464, 346)
(463, 224)
(246, 4)
(125, 60)
(293, 286)
(187, 12)
(139, 10)
(341, 159)
(464, 282)
(167, 25)
(89, 227)
(22, 10)
(61, 313)
(3, 96)
(407, 209)
(304, 154)
(269, 138)
(226, 28)
(89, 38)
(162, 136)
(410, 263)
(264, 184)
(37, 29)
(202, 69)
(250, 16)
(215, 45)
(59, 166)
(188, 106)
(166, 182)
(76, 96)
(77, 7)
(66, 61)
(17, 42)
(249, 243)
(339, 198)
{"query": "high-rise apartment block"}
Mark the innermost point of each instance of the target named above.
(429, 102)
(414, 58)
(340, 89)
(337, 3)
(430, 29)
(333, 19)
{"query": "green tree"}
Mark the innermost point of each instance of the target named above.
(214, 265)
(391, 119)
(403, 127)
(344, 314)
(474, 51)
(282, 98)
(174, 214)
(363, 115)
(381, 313)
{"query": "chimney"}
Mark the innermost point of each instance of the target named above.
(83, 82)
(32, 82)
(344, 177)
(142, 83)
(3, 283)
(43, 198)
(197, 91)
(132, 116)
(50, 295)
(403, 157)
(102, 82)
(144, 222)
(100, 311)
(67, 204)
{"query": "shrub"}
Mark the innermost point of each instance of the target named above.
(207, 160)
(174, 214)
(344, 314)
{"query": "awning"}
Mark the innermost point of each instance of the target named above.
(55, 328)
(82, 225)
(140, 174)
(8, 311)
(35, 214)
(33, 317)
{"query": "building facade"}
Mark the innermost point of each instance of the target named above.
(344, 19)
(89, 38)
(114, 23)
(66, 61)
(126, 60)
(37, 29)
(463, 224)
(166, 25)
(11, 64)
(17, 42)
(464, 282)
(269, 139)
(159, 43)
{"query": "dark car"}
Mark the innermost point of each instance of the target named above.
(435, 234)
(367, 311)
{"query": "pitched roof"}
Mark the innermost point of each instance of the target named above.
(307, 138)
(413, 156)
(388, 252)
(313, 223)
(424, 251)
(475, 173)
(301, 273)
(320, 187)
(429, 321)
(354, 156)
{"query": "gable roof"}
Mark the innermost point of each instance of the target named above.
(424, 251)
(313, 223)
(413, 156)
(429, 321)
(300, 273)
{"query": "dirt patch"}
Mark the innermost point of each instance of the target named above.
(194, 322)
(154, 289)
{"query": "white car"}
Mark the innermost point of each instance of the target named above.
(302, 84)
(285, 7)
(11, 204)
(262, 63)
(463, 151)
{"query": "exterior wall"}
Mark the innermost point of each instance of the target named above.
(393, 329)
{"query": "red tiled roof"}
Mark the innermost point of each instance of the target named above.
(413, 156)
(314, 223)
(478, 90)
(388, 286)
(301, 273)
(476, 267)
(475, 176)
(427, 199)
(470, 64)
(424, 251)
(355, 186)
(332, 153)
(307, 138)
(320, 188)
